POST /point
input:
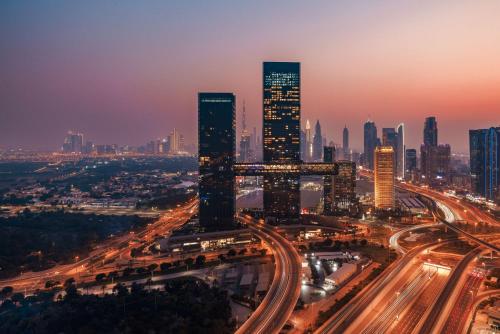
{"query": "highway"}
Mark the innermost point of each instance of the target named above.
(280, 300)
(110, 250)
(429, 322)
(350, 312)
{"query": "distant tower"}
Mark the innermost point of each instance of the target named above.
(345, 142)
(309, 144)
(400, 154)
(317, 143)
(370, 142)
(430, 131)
(245, 150)
(384, 177)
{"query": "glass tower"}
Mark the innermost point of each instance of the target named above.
(484, 147)
(281, 138)
(216, 156)
(370, 142)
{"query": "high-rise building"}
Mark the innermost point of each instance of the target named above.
(410, 161)
(73, 143)
(328, 156)
(245, 147)
(345, 143)
(309, 142)
(176, 141)
(435, 164)
(344, 186)
(317, 143)
(430, 131)
(303, 145)
(384, 178)
(216, 157)
(484, 145)
(400, 151)
(281, 138)
(370, 142)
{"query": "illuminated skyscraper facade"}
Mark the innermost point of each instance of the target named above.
(384, 177)
(216, 157)
(484, 147)
(344, 186)
(281, 137)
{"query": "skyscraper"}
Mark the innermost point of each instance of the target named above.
(484, 145)
(370, 142)
(435, 164)
(345, 143)
(73, 143)
(317, 143)
(245, 149)
(216, 156)
(410, 161)
(309, 142)
(430, 131)
(400, 151)
(281, 137)
(328, 156)
(344, 186)
(384, 178)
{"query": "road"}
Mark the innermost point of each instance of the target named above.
(118, 247)
(280, 300)
(430, 321)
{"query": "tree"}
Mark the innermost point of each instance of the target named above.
(189, 261)
(100, 277)
(263, 252)
(363, 242)
(113, 275)
(120, 290)
(6, 291)
(17, 297)
(354, 241)
(165, 266)
(69, 282)
(221, 257)
(200, 260)
(152, 267)
(231, 252)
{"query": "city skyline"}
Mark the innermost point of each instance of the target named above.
(116, 93)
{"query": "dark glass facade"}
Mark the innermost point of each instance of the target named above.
(344, 186)
(216, 157)
(411, 160)
(484, 145)
(328, 156)
(430, 132)
(281, 138)
(370, 142)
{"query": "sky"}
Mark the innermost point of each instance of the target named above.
(127, 72)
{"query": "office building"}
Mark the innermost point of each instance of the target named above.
(317, 143)
(245, 141)
(216, 157)
(309, 142)
(484, 145)
(400, 151)
(410, 161)
(281, 138)
(430, 132)
(328, 156)
(384, 178)
(370, 142)
(344, 186)
(435, 164)
(73, 143)
(345, 143)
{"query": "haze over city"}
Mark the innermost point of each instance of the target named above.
(125, 72)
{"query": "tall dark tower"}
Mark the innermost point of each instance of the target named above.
(484, 147)
(317, 143)
(281, 138)
(328, 156)
(430, 132)
(370, 142)
(345, 142)
(216, 157)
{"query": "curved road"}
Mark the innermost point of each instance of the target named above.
(280, 300)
